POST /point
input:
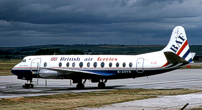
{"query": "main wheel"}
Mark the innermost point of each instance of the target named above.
(101, 85)
(31, 86)
(79, 86)
(26, 86)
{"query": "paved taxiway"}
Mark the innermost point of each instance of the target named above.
(175, 102)
(10, 86)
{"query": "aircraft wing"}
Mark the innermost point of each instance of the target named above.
(73, 72)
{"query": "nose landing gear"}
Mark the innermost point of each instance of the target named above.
(28, 85)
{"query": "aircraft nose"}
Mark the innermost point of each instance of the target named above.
(13, 70)
(16, 70)
(22, 72)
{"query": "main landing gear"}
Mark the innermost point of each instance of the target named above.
(101, 84)
(28, 85)
(80, 84)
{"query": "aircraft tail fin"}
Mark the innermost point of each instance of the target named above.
(178, 44)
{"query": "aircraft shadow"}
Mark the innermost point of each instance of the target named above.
(73, 88)
(42, 90)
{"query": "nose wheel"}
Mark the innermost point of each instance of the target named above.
(28, 85)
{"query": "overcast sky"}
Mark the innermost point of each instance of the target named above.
(36, 22)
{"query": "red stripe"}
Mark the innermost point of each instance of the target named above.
(24, 67)
(182, 48)
(165, 64)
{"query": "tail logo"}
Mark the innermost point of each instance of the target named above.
(179, 41)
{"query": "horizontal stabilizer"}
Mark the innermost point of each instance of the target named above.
(193, 55)
(173, 58)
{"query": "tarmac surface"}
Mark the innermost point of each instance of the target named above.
(175, 102)
(11, 87)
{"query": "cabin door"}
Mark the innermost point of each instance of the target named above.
(140, 65)
(35, 65)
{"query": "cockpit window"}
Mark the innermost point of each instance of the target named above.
(24, 60)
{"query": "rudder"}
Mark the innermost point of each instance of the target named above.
(178, 44)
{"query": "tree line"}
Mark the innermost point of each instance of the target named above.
(58, 52)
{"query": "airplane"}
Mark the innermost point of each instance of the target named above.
(100, 68)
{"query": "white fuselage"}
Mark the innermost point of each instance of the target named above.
(56, 66)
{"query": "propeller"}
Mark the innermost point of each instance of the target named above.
(37, 73)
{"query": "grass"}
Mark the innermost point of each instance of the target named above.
(7, 65)
(89, 99)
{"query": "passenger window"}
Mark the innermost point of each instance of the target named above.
(124, 64)
(110, 64)
(67, 64)
(95, 64)
(117, 64)
(81, 64)
(60, 64)
(88, 64)
(73, 64)
(102, 64)
(130, 64)
(45, 64)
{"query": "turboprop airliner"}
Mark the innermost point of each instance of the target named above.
(100, 68)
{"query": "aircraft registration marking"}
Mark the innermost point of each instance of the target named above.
(123, 71)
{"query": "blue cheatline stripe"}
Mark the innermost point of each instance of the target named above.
(104, 73)
(185, 55)
(190, 60)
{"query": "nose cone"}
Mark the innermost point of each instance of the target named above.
(22, 72)
(17, 70)
(13, 70)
